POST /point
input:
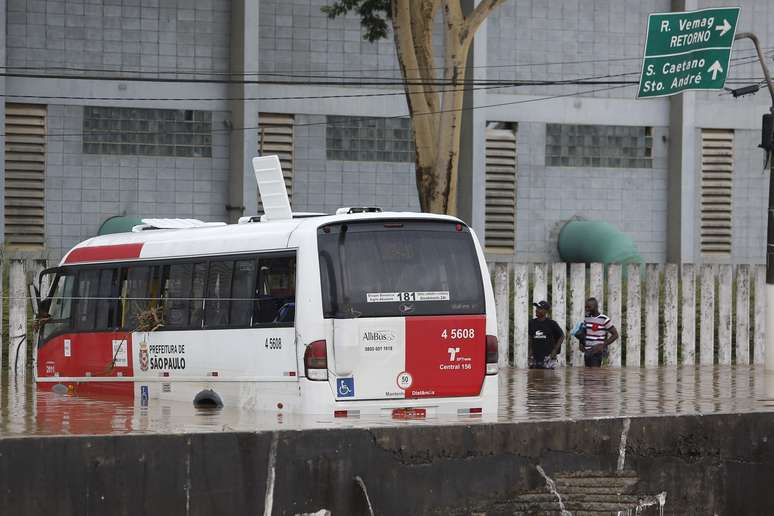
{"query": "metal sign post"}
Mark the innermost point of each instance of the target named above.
(767, 143)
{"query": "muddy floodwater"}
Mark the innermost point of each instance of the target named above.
(524, 396)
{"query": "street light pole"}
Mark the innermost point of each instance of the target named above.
(767, 144)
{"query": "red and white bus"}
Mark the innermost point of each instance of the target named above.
(361, 312)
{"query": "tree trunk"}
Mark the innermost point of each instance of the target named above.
(444, 188)
(436, 124)
(447, 162)
(415, 60)
(444, 195)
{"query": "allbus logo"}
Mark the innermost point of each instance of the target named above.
(378, 336)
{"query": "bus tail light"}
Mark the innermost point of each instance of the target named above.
(316, 360)
(491, 354)
(346, 413)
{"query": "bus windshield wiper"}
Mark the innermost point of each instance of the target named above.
(350, 313)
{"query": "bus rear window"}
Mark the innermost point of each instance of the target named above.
(399, 268)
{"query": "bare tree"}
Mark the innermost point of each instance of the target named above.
(435, 104)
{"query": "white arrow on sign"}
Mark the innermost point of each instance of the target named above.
(715, 68)
(723, 28)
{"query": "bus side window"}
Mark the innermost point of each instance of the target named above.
(60, 310)
(217, 301)
(134, 295)
(177, 303)
(106, 302)
(275, 293)
(86, 302)
(242, 292)
(154, 288)
(198, 284)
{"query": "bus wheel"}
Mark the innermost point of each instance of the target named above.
(59, 388)
(208, 399)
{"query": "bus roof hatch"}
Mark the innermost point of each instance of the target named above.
(148, 224)
(271, 185)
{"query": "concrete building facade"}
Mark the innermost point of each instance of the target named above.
(154, 108)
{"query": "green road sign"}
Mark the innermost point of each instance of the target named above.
(687, 51)
(697, 70)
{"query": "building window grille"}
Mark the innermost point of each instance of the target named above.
(500, 216)
(275, 136)
(717, 167)
(147, 132)
(369, 139)
(612, 146)
(25, 171)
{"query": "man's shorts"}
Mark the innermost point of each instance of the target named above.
(594, 359)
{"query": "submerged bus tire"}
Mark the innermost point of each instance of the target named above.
(208, 399)
(59, 388)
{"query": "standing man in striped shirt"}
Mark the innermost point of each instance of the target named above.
(599, 334)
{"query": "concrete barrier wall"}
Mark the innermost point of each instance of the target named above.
(720, 464)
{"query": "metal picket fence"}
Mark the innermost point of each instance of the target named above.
(666, 314)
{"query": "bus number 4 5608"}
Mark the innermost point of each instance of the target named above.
(459, 333)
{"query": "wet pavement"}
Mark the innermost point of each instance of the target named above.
(524, 396)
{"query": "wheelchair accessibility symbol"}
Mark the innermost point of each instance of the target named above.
(345, 387)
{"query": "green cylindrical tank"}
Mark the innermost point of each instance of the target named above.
(118, 224)
(588, 241)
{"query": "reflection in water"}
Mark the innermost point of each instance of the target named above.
(594, 393)
(525, 395)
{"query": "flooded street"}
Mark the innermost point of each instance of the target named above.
(536, 395)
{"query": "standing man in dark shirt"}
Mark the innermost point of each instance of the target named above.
(545, 338)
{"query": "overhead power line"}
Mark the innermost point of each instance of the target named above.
(404, 115)
(323, 97)
(312, 79)
(474, 86)
(221, 98)
(320, 74)
(594, 80)
(500, 83)
(342, 82)
(610, 85)
(506, 85)
(294, 72)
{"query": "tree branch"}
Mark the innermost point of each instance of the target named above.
(453, 17)
(422, 21)
(454, 22)
(424, 130)
(477, 17)
(447, 136)
(406, 50)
